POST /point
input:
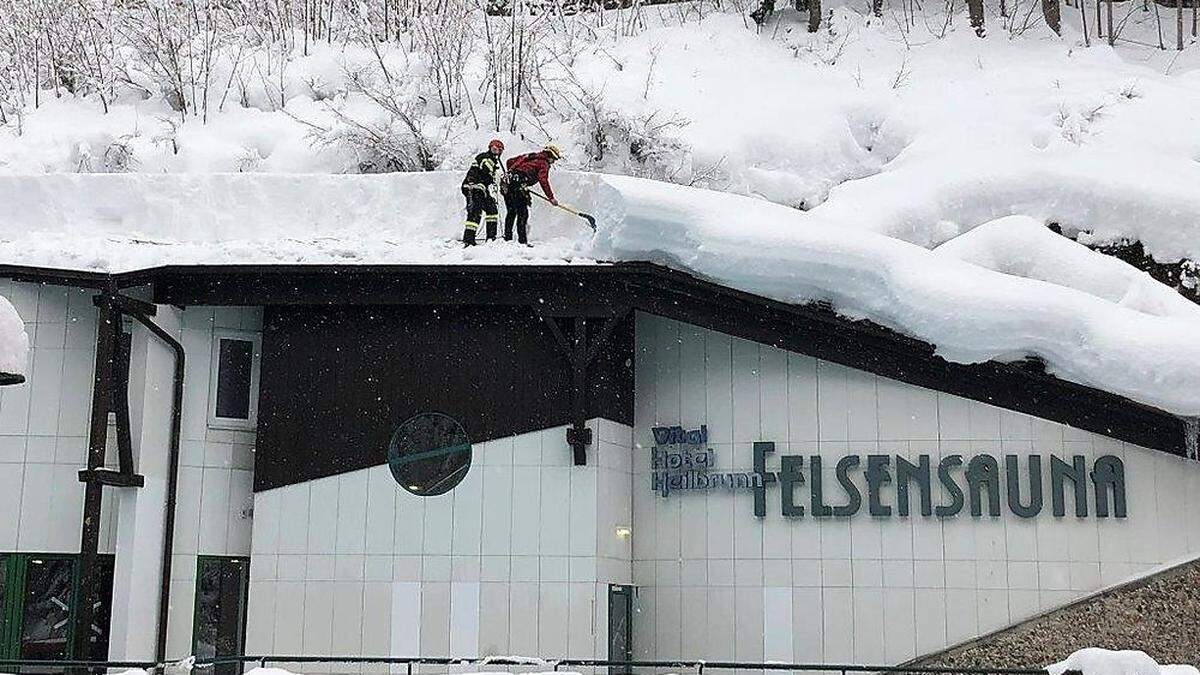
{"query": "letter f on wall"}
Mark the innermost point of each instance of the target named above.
(761, 448)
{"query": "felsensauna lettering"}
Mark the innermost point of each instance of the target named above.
(895, 485)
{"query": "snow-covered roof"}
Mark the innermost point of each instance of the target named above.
(1008, 291)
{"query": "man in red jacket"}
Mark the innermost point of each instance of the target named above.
(525, 171)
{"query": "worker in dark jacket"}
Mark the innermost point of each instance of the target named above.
(525, 171)
(477, 187)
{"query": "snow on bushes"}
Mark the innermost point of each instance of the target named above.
(920, 131)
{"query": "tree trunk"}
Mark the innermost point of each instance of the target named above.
(1112, 33)
(1179, 25)
(1083, 22)
(814, 15)
(975, 10)
(1050, 11)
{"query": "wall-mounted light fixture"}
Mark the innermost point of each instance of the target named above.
(623, 532)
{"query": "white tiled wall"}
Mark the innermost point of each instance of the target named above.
(515, 560)
(44, 423)
(44, 437)
(216, 474)
(44, 429)
(863, 589)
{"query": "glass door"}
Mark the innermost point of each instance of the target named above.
(620, 621)
(220, 620)
(37, 606)
(46, 619)
(6, 621)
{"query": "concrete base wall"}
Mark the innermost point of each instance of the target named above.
(1158, 615)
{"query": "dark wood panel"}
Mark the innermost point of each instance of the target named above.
(337, 381)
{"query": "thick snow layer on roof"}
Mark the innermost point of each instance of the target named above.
(120, 222)
(1097, 661)
(1093, 320)
(969, 312)
(1024, 247)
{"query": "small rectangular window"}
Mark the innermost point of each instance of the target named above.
(234, 362)
(233, 400)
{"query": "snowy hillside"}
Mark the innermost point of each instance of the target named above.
(905, 125)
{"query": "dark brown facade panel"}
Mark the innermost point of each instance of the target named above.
(337, 381)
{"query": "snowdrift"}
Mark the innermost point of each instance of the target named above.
(1097, 661)
(14, 341)
(971, 313)
(1090, 661)
(1093, 320)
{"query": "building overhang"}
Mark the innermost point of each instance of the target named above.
(610, 289)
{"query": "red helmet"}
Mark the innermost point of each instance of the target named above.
(496, 145)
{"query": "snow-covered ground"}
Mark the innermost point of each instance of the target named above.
(920, 132)
(1096, 661)
(1090, 660)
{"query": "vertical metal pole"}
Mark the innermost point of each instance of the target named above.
(107, 333)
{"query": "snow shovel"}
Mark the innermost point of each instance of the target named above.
(591, 221)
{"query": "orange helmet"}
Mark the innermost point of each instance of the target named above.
(496, 145)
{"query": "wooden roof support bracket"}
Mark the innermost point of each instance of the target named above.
(579, 350)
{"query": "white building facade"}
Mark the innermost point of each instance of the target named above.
(294, 535)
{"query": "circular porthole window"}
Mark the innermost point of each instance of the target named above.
(429, 454)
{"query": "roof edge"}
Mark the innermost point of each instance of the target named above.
(813, 329)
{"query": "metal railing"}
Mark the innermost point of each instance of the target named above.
(698, 666)
(540, 665)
